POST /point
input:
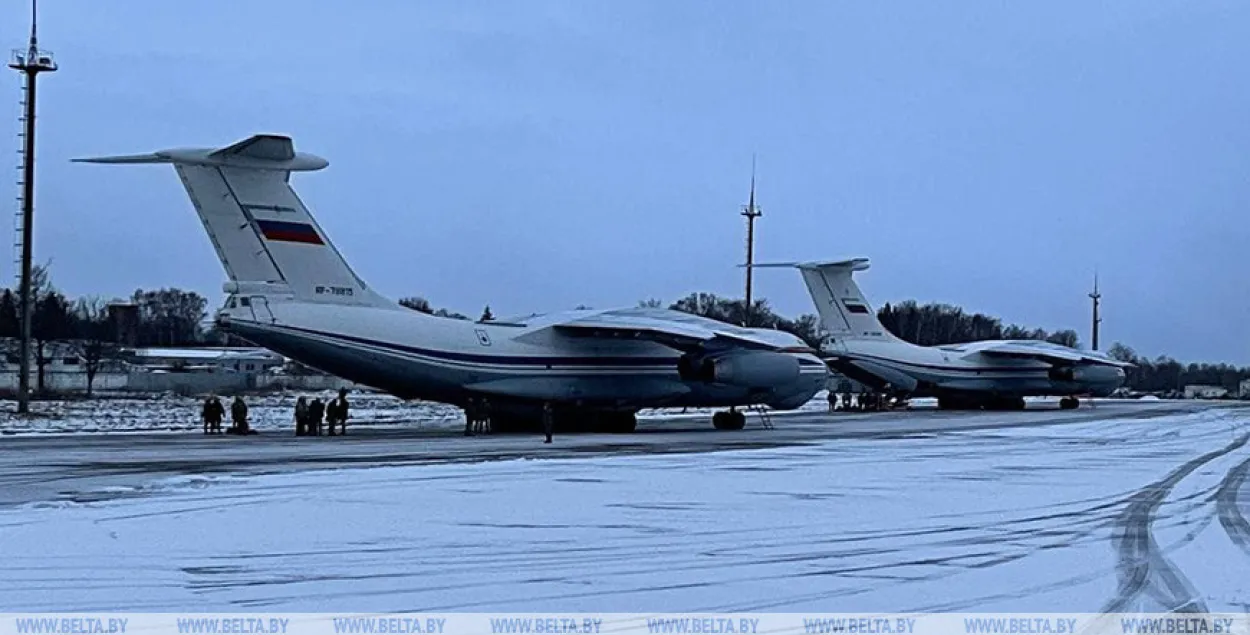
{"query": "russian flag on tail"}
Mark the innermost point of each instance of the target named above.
(289, 232)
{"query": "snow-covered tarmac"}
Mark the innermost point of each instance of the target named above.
(1122, 507)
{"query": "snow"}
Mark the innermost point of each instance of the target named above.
(171, 413)
(1010, 519)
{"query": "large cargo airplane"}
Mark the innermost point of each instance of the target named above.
(292, 292)
(992, 374)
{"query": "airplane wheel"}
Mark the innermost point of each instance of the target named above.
(955, 403)
(503, 424)
(726, 420)
(1006, 403)
(618, 422)
(1069, 403)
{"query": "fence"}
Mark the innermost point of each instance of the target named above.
(191, 383)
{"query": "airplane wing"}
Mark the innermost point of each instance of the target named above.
(1054, 356)
(679, 331)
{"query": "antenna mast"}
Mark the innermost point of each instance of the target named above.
(30, 63)
(751, 212)
(1096, 297)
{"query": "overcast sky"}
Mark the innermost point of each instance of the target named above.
(539, 155)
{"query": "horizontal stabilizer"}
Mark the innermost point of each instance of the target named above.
(266, 238)
(258, 152)
(852, 264)
(844, 311)
(265, 147)
(152, 157)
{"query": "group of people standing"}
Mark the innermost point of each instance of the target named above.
(868, 401)
(214, 412)
(309, 415)
(477, 418)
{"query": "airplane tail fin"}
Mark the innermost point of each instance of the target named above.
(264, 235)
(843, 310)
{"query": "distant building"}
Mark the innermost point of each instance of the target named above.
(1195, 391)
(124, 323)
(1244, 393)
(229, 359)
(57, 356)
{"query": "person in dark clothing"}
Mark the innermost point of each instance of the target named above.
(833, 400)
(483, 417)
(336, 412)
(470, 416)
(238, 416)
(549, 421)
(219, 414)
(332, 416)
(316, 410)
(301, 417)
(206, 414)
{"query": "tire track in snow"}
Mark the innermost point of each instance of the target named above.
(1142, 566)
(1235, 523)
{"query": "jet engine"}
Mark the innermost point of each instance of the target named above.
(1084, 374)
(750, 369)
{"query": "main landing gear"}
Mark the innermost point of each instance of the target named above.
(729, 420)
(1069, 403)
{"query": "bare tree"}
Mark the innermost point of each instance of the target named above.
(92, 340)
(50, 321)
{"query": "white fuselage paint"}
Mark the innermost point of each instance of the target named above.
(863, 349)
(962, 369)
(292, 291)
(416, 355)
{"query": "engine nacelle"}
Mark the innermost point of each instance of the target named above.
(1085, 374)
(751, 369)
(1062, 373)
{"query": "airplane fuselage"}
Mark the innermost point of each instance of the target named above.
(961, 371)
(418, 356)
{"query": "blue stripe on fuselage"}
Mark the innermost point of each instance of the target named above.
(939, 367)
(501, 360)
